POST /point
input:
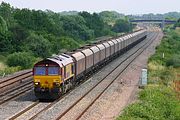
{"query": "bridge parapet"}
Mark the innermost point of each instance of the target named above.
(160, 21)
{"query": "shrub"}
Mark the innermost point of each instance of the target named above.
(174, 61)
(68, 43)
(10, 70)
(122, 25)
(23, 59)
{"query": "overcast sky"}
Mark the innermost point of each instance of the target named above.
(121, 6)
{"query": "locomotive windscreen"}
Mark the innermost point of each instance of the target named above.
(50, 70)
(53, 70)
(39, 71)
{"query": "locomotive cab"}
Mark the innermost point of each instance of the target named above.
(51, 76)
(47, 75)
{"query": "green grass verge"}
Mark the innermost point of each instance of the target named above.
(158, 101)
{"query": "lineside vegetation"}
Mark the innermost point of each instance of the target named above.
(159, 100)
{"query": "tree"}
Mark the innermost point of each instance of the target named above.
(122, 25)
(3, 25)
(5, 43)
(6, 13)
(35, 20)
(110, 17)
(75, 27)
(94, 22)
(37, 44)
(19, 35)
(5, 39)
(68, 43)
(177, 23)
(56, 19)
(23, 59)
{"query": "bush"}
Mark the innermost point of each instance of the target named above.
(122, 25)
(68, 43)
(10, 70)
(23, 59)
(174, 61)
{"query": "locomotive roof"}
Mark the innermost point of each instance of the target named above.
(61, 60)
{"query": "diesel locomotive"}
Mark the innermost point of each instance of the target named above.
(55, 75)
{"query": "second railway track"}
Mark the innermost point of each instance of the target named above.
(13, 81)
(14, 86)
(15, 92)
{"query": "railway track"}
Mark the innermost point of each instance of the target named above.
(44, 106)
(15, 79)
(16, 92)
(14, 86)
(25, 110)
(106, 86)
(49, 105)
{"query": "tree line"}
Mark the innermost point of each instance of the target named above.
(38, 33)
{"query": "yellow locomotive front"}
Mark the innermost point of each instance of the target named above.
(53, 77)
(47, 80)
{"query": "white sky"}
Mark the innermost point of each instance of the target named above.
(121, 6)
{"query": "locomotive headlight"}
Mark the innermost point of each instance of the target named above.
(36, 83)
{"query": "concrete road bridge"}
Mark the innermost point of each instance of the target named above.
(160, 22)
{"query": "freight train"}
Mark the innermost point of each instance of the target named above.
(55, 75)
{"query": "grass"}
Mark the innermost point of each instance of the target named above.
(2, 62)
(2, 66)
(156, 103)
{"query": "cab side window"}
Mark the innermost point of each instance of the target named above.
(72, 68)
(65, 72)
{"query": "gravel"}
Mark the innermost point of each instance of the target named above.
(15, 106)
(32, 112)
